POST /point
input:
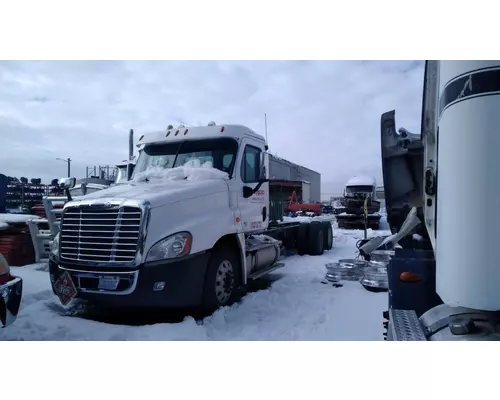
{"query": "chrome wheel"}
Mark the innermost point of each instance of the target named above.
(224, 281)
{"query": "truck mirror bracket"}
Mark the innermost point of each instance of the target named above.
(248, 191)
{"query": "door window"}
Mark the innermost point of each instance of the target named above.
(250, 165)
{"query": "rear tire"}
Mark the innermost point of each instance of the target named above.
(316, 239)
(302, 241)
(328, 236)
(222, 279)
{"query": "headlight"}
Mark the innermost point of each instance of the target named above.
(173, 246)
(54, 246)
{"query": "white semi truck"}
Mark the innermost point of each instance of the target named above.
(188, 230)
(444, 282)
(353, 214)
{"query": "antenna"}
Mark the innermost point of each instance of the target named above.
(265, 125)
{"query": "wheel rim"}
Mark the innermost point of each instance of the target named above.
(224, 281)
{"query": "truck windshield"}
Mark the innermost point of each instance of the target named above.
(358, 189)
(221, 153)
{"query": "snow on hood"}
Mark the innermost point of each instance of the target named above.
(161, 186)
(362, 181)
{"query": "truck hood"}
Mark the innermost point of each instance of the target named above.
(402, 168)
(158, 192)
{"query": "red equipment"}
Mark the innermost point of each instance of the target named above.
(294, 207)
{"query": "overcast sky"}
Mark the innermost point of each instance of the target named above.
(324, 115)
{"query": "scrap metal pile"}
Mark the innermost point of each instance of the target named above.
(371, 272)
(371, 266)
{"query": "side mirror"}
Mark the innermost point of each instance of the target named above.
(67, 183)
(247, 192)
(264, 166)
(130, 171)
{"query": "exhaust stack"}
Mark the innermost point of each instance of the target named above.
(131, 145)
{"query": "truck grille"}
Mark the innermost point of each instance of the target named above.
(100, 234)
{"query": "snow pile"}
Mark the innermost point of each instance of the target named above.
(193, 170)
(16, 218)
(308, 219)
(3, 225)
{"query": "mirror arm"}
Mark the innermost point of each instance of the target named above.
(259, 185)
(68, 194)
(256, 188)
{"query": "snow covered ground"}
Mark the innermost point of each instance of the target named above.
(293, 304)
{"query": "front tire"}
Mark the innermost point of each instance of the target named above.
(222, 279)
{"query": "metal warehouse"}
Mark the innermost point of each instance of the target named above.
(296, 175)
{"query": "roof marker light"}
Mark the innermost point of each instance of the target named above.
(142, 137)
(185, 132)
(176, 132)
(222, 129)
(168, 133)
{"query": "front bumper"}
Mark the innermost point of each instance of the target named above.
(165, 284)
(10, 301)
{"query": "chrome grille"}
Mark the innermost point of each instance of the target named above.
(100, 234)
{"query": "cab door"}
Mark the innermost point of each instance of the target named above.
(254, 210)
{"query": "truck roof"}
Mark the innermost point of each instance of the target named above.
(199, 132)
(125, 163)
(361, 181)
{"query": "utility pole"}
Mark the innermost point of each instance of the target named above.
(68, 161)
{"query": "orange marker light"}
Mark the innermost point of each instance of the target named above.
(409, 277)
(187, 246)
(238, 219)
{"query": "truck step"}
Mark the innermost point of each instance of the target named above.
(404, 325)
(260, 273)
